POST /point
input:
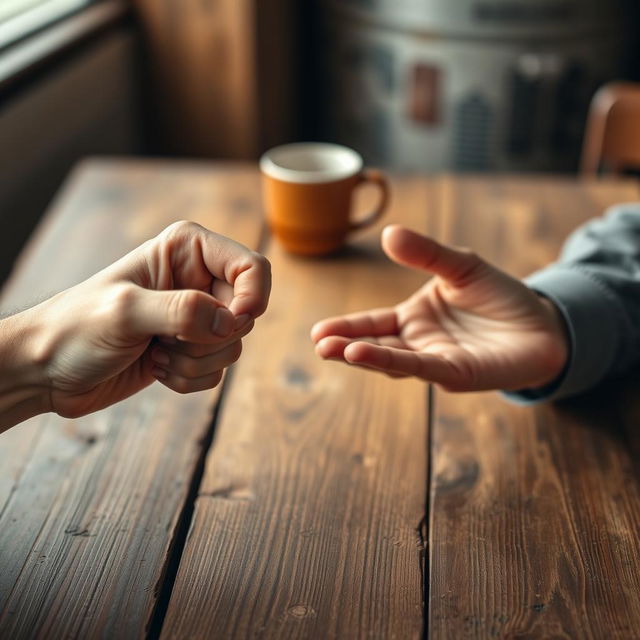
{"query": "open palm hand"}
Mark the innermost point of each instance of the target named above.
(471, 327)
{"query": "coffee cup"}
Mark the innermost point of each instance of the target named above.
(308, 195)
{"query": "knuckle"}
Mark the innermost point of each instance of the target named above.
(186, 310)
(118, 303)
(261, 261)
(258, 264)
(123, 295)
(180, 228)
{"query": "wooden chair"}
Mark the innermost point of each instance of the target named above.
(612, 136)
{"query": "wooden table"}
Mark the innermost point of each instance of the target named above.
(305, 499)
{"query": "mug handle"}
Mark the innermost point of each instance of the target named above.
(378, 178)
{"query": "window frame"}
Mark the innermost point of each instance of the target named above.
(33, 54)
(37, 17)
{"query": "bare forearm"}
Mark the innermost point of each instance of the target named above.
(23, 384)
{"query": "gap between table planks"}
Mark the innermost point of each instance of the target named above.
(90, 508)
(293, 534)
(309, 520)
(534, 512)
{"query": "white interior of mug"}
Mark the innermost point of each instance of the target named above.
(311, 162)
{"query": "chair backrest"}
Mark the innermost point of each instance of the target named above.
(612, 136)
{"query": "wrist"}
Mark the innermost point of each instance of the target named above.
(560, 349)
(24, 386)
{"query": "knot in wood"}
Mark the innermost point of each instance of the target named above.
(300, 611)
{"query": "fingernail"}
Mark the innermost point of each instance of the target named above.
(156, 372)
(241, 321)
(160, 357)
(223, 322)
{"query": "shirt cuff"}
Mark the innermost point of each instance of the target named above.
(593, 316)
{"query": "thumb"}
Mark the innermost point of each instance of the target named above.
(188, 314)
(414, 250)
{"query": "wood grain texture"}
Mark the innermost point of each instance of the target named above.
(308, 521)
(89, 508)
(534, 512)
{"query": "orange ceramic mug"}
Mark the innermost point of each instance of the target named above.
(308, 189)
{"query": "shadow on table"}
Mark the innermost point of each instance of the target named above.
(611, 412)
(355, 252)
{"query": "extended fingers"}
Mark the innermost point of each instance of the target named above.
(333, 347)
(395, 361)
(414, 250)
(376, 322)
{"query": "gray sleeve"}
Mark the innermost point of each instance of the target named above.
(596, 286)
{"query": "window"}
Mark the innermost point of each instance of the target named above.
(19, 18)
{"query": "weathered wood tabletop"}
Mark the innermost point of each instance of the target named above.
(306, 499)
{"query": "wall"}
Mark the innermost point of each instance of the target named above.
(85, 105)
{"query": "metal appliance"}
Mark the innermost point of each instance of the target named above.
(466, 84)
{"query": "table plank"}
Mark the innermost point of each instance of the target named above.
(308, 523)
(534, 512)
(90, 508)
